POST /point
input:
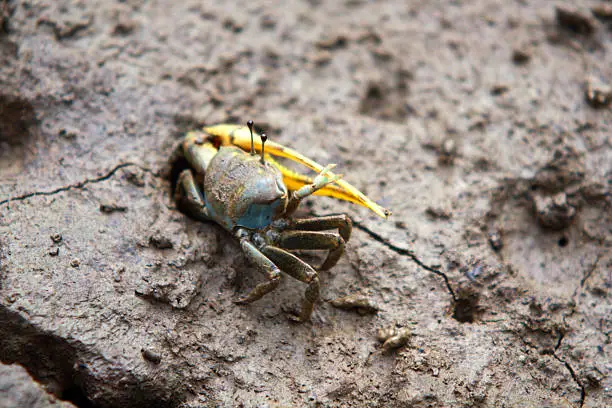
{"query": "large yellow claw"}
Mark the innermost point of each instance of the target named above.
(240, 136)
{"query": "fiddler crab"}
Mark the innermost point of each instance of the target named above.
(252, 196)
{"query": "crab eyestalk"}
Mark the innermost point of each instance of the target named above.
(250, 125)
(263, 144)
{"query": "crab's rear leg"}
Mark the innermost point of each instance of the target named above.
(315, 240)
(304, 234)
(324, 178)
(326, 222)
(189, 197)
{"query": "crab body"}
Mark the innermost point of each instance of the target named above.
(240, 191)
(254, 199)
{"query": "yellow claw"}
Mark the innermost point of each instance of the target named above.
(240, 136)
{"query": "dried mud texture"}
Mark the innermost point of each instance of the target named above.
(495, 266)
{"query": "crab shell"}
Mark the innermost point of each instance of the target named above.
(240, 191)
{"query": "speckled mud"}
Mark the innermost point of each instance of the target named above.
(483, 125)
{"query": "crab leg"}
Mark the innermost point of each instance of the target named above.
(266, 266)
(300, 270)
(315, 240)
(189, 197)
(326, 222)
(240, 136)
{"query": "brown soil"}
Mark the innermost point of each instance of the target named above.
(483, 125)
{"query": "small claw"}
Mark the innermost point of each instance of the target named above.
(326, 177)
(241, 301)
(334, 178)
(327, 168)
(327, 171)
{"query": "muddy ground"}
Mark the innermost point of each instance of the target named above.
(482, 125)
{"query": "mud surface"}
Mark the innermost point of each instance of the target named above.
(485, 127)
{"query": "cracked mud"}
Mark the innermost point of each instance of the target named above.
(484, 126)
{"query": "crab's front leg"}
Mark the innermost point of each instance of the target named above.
(324, 178)
(271, 260)
(300, 270)
(265, 265)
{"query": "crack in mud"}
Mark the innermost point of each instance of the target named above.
(570, 369)
(79, 185)
(408, 253)
(588, 273)
(559, 359)
(574, 377)
(561, 336)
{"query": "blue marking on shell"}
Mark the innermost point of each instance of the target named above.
(258, 215)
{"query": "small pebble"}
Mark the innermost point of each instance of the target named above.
(75, 263)
(499, 89)
(495, 239)
(447, 152)
(118, 273)
(68, 133)
(553, 212)
(332, 42)
(151, 356)
(111, 207)
(393, 338)
(160, 242)
(520, 56)
(362, 304)
(598, 94)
